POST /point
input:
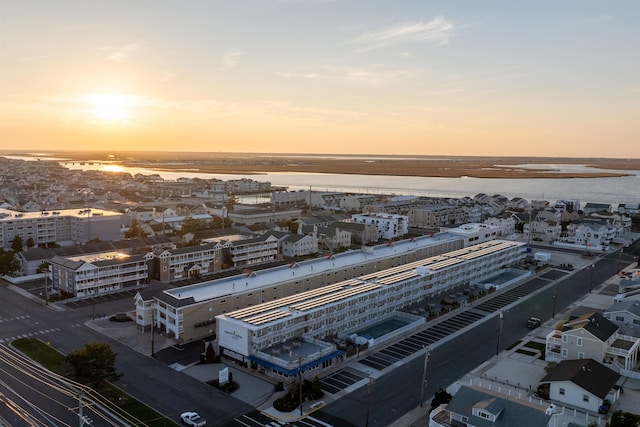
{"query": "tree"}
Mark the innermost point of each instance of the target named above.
(231, 201)
(191, 225)
(441, 396)
(9, 264)
(93, 364)
(210, 354)
(623, 419)
(134, 231)
(16, 244)
(30, 242)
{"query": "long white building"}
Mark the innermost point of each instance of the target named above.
(64, 226)
(262, 334)
(97, 274)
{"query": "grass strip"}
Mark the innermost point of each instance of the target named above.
(52, 359)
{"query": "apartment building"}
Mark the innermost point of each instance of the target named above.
(192, 261)
(97, 274)
(304, 320)
(64, 226)
(188, 313)
(391, 226)
(436, 216)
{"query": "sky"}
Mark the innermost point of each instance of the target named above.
(411, 77)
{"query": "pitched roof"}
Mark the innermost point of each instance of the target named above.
(510, 412)
(595, 323)
(630, 305)
(588, 374)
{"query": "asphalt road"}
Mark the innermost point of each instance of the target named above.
(392, 395)
(398, 392)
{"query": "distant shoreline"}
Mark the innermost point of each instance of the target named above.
(419, 166)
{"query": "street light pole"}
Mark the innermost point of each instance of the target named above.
(424, 375)
(593, 266)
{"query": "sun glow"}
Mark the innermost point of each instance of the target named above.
(112, 168)
(110, 107)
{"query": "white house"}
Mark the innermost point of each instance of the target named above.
(391, 226)
(582, 383)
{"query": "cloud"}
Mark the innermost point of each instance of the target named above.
(230, 58)
(32, 58)
(372, 75)
(123, 53)
(438, 31)
(590, 21)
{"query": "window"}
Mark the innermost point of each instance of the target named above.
(636, 321)
(484, 415)
(620, 318)
(561, 391)
(585, 397)
(564, 338)
(565, 352)
(579, 342)
(580, 355)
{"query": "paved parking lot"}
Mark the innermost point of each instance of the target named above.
(386, 357)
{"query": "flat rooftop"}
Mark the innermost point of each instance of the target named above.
(284, 307)
(264, 278)
(10, 215)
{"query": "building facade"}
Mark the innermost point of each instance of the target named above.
(188, 313)
(97, 274)
(65, 226)
(249, 334)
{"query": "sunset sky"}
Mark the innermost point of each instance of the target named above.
(427, 77)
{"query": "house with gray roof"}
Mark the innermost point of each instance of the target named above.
(626, 314)
(481, 408)
(581, 383)
(593, 336)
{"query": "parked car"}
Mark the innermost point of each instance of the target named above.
(193, 419)
(533, 322)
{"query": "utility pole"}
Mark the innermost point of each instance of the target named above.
(501, 317)
(423, 383)
(368, 401)
(555, 294)
(593, 267)
(300, 377)
(83, 420)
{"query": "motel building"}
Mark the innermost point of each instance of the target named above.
(298, 334)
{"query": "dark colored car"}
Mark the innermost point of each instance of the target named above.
(533, 322)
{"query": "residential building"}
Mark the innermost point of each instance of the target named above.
(581, 383)
(341, 309)
(475, 233)
(436, 216)
(626, 314)
(590, 208)
(249, 216)
(472, 407)
(190, 311)
(542, 230)
(69, 226)
(361, 234)
(97, 274)
(168, 265)
(332, 238)
(593, 336)
(390, 226)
